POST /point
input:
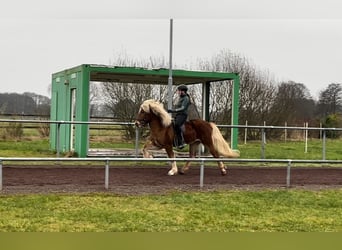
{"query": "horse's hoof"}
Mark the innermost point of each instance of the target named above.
(147, 156)
(181, 172)
(223, 172)
(171, 173)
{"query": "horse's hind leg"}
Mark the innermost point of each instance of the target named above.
(145, 150)
(192, 154)
(222, 168)
(220, 164)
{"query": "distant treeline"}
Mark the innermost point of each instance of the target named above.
(24, 104)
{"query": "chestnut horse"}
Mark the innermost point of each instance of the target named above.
(196, 131)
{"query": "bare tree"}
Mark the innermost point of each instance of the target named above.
(293, 104)
(256, 89)
(94, 98)
(122, 99)
(261, 99)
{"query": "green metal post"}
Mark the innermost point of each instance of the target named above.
(235, 112)
(207, 98)
(83, 108)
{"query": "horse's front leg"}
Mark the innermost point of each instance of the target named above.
(149, 145)
(171, 154)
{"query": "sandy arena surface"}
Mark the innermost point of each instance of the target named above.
(125, 180)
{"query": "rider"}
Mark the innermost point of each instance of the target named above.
(181, 111)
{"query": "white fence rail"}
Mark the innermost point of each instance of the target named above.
(262, 128)
(107, 160)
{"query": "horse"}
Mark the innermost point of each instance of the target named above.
(195, 132)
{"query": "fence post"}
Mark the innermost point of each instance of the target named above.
(201, 174)
(58, 140)
(323, 146)
(0, 175)
(263, 137)
(288, 175)
(107, 174)
(136, 142)
(285, 132)
(306, 124)
(246, 132)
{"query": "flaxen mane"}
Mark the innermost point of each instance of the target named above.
(157, 109)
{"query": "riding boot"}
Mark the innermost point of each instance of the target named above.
(180, 141)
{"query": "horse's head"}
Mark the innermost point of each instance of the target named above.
(143, 117)
(149, 110)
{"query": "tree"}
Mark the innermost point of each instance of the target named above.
(293, 104)
(332, 121)
(123, 99)
(13, 103)
(95, 102)
(256, 90)
(24, 104)
(42, 103)
(330, 100)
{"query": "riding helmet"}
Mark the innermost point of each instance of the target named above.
(182, 87)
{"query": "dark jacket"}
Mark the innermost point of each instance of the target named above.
(182, 105)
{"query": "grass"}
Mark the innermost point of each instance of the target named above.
(33, 145)
(38, 147)
(293, 150)
(230, 211)
(26, 148)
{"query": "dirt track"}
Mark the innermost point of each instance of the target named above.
(150, 180)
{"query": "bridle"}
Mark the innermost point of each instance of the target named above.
(142, 122)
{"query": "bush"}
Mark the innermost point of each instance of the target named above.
(44, 129)
(332, 121)
(13, 131)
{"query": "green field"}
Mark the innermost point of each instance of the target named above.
(294, 149)
(33, 143)
(252, 150)
(229, 211)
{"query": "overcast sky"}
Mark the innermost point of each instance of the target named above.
(295, 40)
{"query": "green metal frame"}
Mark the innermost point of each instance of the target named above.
(78, 79)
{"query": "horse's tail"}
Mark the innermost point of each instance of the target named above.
(220, 144)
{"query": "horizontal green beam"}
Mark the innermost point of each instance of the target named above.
(143, 75)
